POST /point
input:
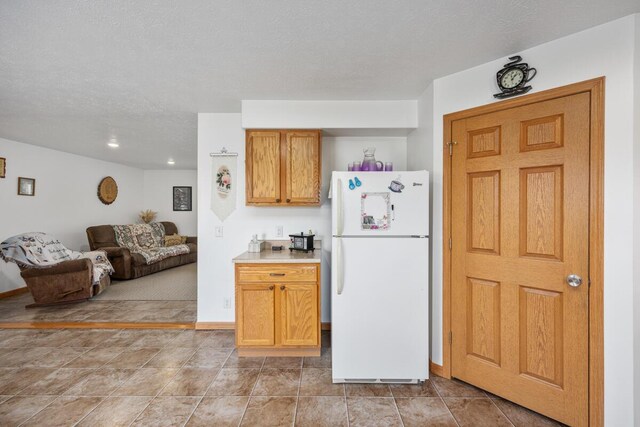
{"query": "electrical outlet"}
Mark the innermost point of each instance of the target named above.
(227, 303)
(219, 232)
(279, 231)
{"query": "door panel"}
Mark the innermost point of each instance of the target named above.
(520, 185)
(263, 167)
(303, 167)
(299, 314)
(255, 308)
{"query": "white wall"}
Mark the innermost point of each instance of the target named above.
(636, 225)
(65, 201)
(215, 277)
(329, 114)
(606, 50)
(158, 196)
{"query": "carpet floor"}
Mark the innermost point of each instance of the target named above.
(174, 284)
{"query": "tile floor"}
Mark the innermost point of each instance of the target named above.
(175, 378)
(13, 309)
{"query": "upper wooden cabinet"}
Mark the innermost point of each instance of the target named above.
(283, 167)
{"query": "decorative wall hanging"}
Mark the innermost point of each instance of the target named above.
(26, 186)
(107, 190)
(3, 167)
(223, 186)
(182, 199)
(513, 77)
(147, 216)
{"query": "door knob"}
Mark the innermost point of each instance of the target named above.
(574, 280)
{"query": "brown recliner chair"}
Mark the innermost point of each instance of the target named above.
(131, 266)
(66, 282)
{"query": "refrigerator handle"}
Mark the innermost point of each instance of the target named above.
(340, 266)
(339, 207)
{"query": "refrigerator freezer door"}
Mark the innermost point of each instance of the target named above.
(379, 309)
(383, 204)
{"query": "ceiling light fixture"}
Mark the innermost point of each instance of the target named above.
(113, 144)
(171, 162)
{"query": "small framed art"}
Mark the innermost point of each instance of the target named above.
(181, 198)
(26, 186)
(3, 167)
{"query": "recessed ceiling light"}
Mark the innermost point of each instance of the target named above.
(171, 162)
(113, 144)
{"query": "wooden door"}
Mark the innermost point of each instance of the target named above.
(255, 314)
(299, 314)
(302, 167)
(520, 226)
(263, 167)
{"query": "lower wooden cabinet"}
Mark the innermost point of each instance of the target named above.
(274, 316)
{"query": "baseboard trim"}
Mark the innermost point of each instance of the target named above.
(12, 292)
(94, 325)
(215, 325)
(436, 369)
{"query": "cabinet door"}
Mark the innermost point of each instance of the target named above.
(255, 314)
(303, 167)
(263, 167)
(298, 314)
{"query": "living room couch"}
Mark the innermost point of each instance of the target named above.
(128, 265)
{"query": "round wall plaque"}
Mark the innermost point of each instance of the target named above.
(107, 190)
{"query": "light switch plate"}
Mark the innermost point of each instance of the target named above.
(279, 231)
(219, 232)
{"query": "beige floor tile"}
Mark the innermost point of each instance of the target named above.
(234, 382)
(222, 411)
(101, 382)
(318, 382)
(12, 381)
(425, 389)
(132, 358)
(221, 339)
(171, 357)
(167, 411)
(146, 382)
(283, 362)
(7, 350)
(20, 408)
(424, 412)
(116, 411)
(368, 390)
(57, 382)
(24, 357)
(234, 361)
(190, 382)
(5, 397)
(324, 361)
(325, 411)
(90, 337)
(455, 388)
(156, 338)
(270, 411)
(476, 412)
(522, 417)
(208, 358)
(29, 338)
(95, 358)
(191, 338)
(278, 382)
(64, 411)
(124, 338)
(373, 412)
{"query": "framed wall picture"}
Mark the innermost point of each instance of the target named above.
(26, 186)
(3, 167)
(181, 198)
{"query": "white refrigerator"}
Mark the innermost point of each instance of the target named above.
(379, 277)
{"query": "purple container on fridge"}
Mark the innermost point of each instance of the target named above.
(369, 162)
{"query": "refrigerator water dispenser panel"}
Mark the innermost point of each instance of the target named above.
(375, 211)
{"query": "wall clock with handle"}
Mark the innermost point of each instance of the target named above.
(513, 78)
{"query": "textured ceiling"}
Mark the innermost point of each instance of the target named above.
(75, 73)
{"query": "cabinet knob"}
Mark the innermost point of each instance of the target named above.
(277, 200)
(282, 288)
(271, 287)
(288, 200)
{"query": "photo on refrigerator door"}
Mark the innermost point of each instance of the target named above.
(375, 211)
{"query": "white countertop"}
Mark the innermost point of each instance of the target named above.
(283, 256)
